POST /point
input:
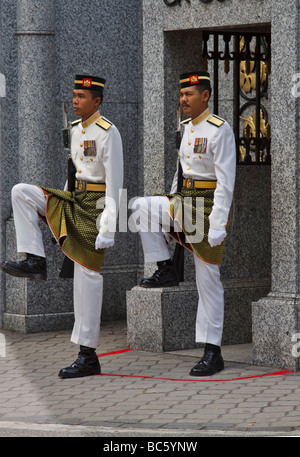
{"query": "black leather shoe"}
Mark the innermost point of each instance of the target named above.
(211, 362)
(164, 276)
(33, 267)
(87, 364)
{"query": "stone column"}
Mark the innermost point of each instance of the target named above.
(30, 306)
(36, 90)
(275, 317)
(2, 95)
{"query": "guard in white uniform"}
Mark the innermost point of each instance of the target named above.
(83, 221)
(207, 157)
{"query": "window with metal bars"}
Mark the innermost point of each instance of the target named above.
(250, 56)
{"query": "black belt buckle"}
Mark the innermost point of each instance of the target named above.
(190, 183)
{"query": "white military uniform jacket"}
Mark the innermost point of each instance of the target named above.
(97, 153)
(208, 152)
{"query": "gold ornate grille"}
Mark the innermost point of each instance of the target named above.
(250, 55)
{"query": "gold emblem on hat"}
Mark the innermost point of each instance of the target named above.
(194, 79)
(86, 82)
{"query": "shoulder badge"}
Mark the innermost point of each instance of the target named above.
(215, 120)
(104, 123)
(75, 122)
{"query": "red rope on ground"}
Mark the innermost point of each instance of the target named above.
(114, 352)
(275, 373)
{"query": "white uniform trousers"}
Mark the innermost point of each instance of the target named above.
(149, 215)
(27, 202)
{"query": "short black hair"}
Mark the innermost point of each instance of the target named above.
(201, 88)
(96, 94)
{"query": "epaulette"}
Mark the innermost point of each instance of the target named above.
(104, 123)
(215, 120)
(75, 122)
(185, 121)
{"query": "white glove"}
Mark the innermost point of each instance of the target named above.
(102, 242)
(215, 237)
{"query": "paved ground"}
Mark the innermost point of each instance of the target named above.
(139, 394)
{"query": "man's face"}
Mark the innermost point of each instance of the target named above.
(192, 102)
(84, 104)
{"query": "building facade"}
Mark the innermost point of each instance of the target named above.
(141, 47)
